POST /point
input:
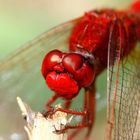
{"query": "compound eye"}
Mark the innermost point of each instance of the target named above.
(51, 59)
(72, 62)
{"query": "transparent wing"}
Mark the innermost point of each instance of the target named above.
(20, 75)
(123, 91)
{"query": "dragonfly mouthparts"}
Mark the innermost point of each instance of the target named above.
(58, 68)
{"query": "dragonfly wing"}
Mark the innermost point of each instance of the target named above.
(123, 93)
(20, 75)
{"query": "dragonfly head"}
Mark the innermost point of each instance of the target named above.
(66, 73)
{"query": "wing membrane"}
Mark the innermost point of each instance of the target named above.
(20, 76)
(123, 93)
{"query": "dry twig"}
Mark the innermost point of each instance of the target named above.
(40, 128)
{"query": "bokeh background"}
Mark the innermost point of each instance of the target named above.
(21, 21)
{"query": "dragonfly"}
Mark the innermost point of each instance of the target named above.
(121, 62)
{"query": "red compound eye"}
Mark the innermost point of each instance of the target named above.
(82, 71)
(51, 59)
(72, 62)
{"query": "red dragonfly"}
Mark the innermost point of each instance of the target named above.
(117, 32)
(100, 39)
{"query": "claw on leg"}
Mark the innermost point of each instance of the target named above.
(87, 114)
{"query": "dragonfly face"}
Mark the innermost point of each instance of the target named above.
(66, 73)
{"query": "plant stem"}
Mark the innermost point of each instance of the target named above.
(40, 128)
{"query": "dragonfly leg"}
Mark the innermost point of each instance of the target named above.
(71, 112)
(82, 125)
(90, 105)
(87, 114)
(51, 101)
(67, 104)
(77, 131)
(88, 120)
(48, 105)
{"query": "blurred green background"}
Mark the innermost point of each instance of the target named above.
(21, 21)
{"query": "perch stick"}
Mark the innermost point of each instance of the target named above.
(40, 128)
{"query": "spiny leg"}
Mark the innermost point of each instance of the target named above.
(67, 104)
(90, 101)
(66, 107)
(50, 109)
(77, 131)
(48, 105)
(89, 104)
(82, 125)
(71, 112)
(51, 101)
